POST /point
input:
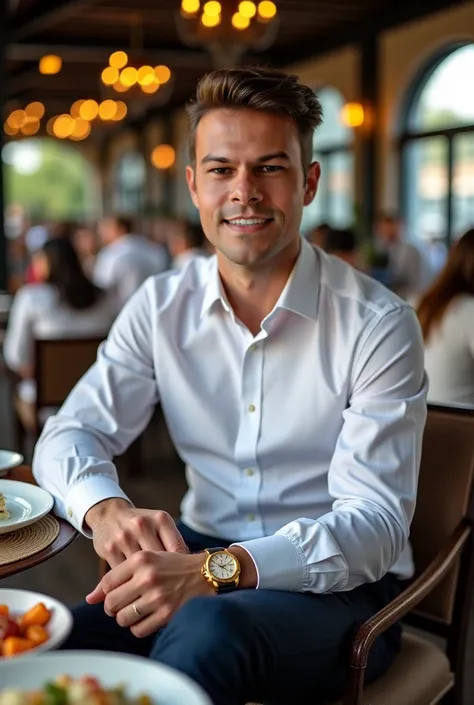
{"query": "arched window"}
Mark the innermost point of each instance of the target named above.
(438, 149)
(129, 183)
(333, 149)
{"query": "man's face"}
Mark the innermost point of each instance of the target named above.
(388, 230)
(248, 183)
(107, 230)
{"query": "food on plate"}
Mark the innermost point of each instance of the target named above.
(19, 633)
(72, 691)
(4, 513)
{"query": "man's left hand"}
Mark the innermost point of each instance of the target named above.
(146, 589)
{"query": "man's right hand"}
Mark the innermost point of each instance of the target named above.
(119, 531)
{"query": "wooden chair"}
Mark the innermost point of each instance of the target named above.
(439, 599)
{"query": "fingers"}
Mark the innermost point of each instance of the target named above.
(169, 534)
(97, 595)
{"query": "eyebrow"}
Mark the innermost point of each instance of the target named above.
(260, 160)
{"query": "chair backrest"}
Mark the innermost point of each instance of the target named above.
(444, 498)
(59, 364)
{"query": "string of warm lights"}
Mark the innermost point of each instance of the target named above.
(76, 125)
(25, 122)
(163, 156)
(211, 14)
(120, 76)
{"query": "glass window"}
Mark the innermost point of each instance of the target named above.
(438, 150)
(130, 180)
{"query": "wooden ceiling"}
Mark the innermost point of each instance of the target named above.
(85, 32)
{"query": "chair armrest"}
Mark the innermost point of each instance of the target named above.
(398, 608)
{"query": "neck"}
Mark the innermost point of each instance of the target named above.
(253, 292)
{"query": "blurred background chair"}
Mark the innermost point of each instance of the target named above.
(439, 600)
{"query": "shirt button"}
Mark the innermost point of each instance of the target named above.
(70, 513)
(254, 347)
(249, 472)
(251, 517)
(251, 408)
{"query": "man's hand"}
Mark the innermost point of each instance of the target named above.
(146, 590)
(119, 531)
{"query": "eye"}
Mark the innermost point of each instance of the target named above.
(220, 171)
(270, 168)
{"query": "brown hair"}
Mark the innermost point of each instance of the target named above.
(457, 278)
(258, 89)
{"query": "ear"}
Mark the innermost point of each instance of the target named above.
(312, 180)
(191, 180)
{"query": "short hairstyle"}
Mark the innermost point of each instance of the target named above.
(123, 222)
(262, 89)
(339, 240)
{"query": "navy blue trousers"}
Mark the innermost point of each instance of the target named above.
(255, 645)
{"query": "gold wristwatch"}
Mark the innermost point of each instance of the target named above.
(221, 569)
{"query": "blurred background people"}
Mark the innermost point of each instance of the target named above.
(317, 235)
(126, 259)
(342, 244)
(185, 244)
(66, 304)
(446, 314)
(86, 244)
(407, 269)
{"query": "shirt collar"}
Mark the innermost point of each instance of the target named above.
(301, 292)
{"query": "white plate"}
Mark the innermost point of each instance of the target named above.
(26, 504)
(164, 685)
(59, 626)
(9, 460)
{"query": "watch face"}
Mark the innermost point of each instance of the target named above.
(222, 566)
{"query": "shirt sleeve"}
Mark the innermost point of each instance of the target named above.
(109, 407)
(372, 478)
(18, 348)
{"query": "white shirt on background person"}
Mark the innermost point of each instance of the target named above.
(302, 443)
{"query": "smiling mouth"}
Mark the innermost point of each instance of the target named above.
(247, 222)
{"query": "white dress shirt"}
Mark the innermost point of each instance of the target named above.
(302, 443)
(186, 256)
(449, 355)
(125, 264)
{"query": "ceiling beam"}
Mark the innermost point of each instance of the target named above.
(99, 54)
(45, 15)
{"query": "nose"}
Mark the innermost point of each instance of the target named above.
(245, 189)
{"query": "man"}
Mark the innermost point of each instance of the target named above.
(342, 244)
(125, 260)
(408, 268)
(186, 243)
(293, 388)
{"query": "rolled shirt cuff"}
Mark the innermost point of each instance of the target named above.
(278, 563)
(85, 495)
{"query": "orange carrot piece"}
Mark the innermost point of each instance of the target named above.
(16, 645)
(4, 611)
(37, 615)
(37, 634)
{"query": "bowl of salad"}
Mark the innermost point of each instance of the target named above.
(94, 678)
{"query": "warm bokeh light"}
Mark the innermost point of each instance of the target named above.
(107, 109)
(145, 75)
(240, 22)
(267, 9)
(89, 110)
(82, 129)
(63, 126)
(50, 125)
(212, 8)
(210, 20)
(120, 88)
(121, 111)
(190, 7)
(35, 110)
(128, 76)
(17, 119)
(9, 130)
(352, 115)
(163, 156)
(75, 107)
(118, 59)
(162, 74)
(110, 75)
(151, 88)
(31, 127)
(247, 9)
(50, 64)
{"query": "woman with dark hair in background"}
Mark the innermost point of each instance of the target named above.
(446, 314)
(64, 304)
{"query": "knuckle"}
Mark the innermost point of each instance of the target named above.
(147, 580)
(121, 619)
(163, 517)
(140, 522)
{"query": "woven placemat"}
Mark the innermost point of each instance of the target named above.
(27, 541)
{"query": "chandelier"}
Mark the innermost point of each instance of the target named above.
(229, 28)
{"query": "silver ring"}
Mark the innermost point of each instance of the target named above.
(135, 609)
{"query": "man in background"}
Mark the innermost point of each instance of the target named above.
(126, 260)
(185, 244)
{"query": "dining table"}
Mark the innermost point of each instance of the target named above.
(67, 533)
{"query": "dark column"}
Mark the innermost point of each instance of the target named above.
(3, 242)
(168, 135)
(369, 71)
